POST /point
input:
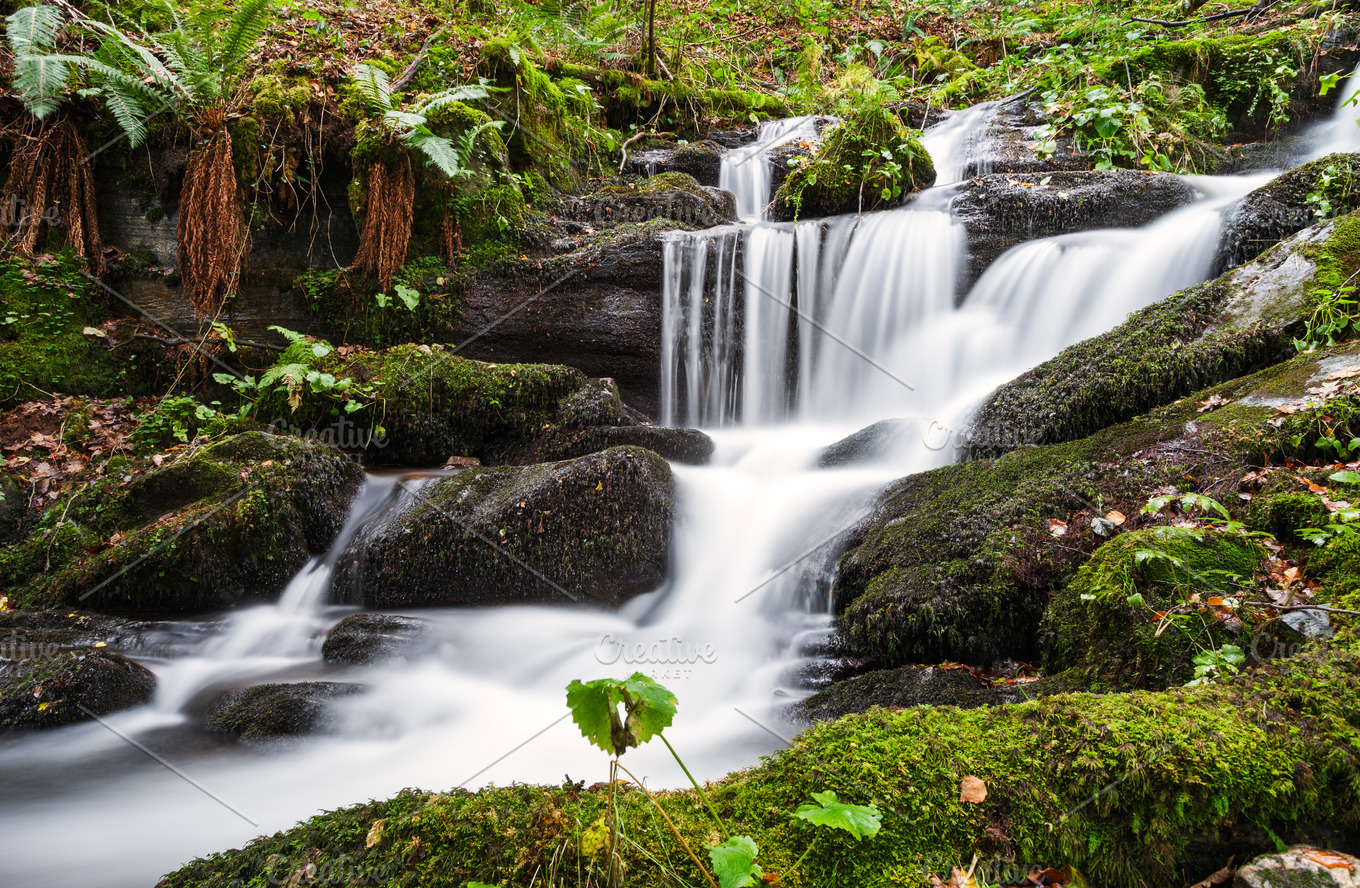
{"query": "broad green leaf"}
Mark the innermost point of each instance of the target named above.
(408, 295)
(734, 862)
(1345, 477)
(648, 709)
(861, 821)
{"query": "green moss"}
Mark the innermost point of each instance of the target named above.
(1128, 788)
(350, 305)
(430, 404)
(848, 172)
(1104, 621)
(222, 522)
(44, 306)
(1282, 514)
(280, 97)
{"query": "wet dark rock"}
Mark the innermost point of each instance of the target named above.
(597, 308)
(702, 160)
(1000, 211)
(917, 686)
(674, 196)
(71, 686)
(13, 504)
(1237, 323)
(868, 444)
(734, 138)
(372, 638)
(688, 446)
(272, 711)
(1008, 144)
(596, 403)
(593, 530)
(1281, 207)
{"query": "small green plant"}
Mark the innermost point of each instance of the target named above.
(1211, 665)
(1332, 319)
(174, 419)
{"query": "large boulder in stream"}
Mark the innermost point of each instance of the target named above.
(701, 160)
(372, 638)
(1001, 211)
(273, 711)
(592, 530)
(216, 524)
(1241, 321)
(62, 687)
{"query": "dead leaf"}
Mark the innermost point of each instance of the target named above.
(972, 789)
(1329, 859)
(1213, 402)
(1056, 527)
(375, 833)
(1116, 518)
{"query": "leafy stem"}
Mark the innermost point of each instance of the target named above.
(667, 818)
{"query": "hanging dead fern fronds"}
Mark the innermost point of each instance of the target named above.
(49, 200)
(212, 232)
(450, 232)
(389, 207)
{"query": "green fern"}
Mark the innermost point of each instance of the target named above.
(411, 124)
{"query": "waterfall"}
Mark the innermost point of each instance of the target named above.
(779, 338)
(1340, 133)
(746, 170)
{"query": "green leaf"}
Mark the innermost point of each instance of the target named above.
(861, 821)
(374, 88)
(321, 349)
(734, 862)
(290, 335)
(408, 295)
(648, 709)
(1345, 477)
(438, 151)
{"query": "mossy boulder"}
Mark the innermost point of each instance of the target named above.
(1001, 211)
(371, 638)
(1235, 324)
(674, 196)
(272, 711)
(869, 444)
(849, 171)
(1282, 207)
(1130, 789)
(589, 530)
(1106, 621)
(70, 686)
(218, 524)
(702, 160)
(686, 446)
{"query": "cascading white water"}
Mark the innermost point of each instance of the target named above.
(834, 322)
(1341, 132)
(746, 170)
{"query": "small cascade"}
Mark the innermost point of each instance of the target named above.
(1341, 133)
(746, 170)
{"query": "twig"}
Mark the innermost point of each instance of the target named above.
(1314, 607)
(623, 161)
(1217, 17)
(405, 76)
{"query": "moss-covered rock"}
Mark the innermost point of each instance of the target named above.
(702, 160)
(674, 196)
(849, 172)
(70, 686)
(272, 711)
(1239, 322)
(371, 638)
(1106, 621)
(1141, 788)
(868, 444)
(1282, 207)
(688, 446)
(594, 529)
(222, 522)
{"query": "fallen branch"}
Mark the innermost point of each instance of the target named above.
(405, 76)
(623, 161)
(1217, 17)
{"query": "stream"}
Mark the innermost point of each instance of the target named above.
(779, 339)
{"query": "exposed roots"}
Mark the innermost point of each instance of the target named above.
(387, 221)
(50, 192)
(213, 236)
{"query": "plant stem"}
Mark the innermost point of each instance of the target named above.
(703, 869)
(703, 795)
(613, 819)
(799, 862)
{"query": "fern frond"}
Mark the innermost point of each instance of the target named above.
(42, 81)
(443, 99)
(402, 121)
(244, 30)
(375, 89)
(437, 150)
(33, 29)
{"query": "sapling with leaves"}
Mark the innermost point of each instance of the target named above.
(198, 71)
(392, 135)
(619, 714)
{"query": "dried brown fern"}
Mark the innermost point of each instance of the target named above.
(50, 191)
(212, 233)
(389, 206)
